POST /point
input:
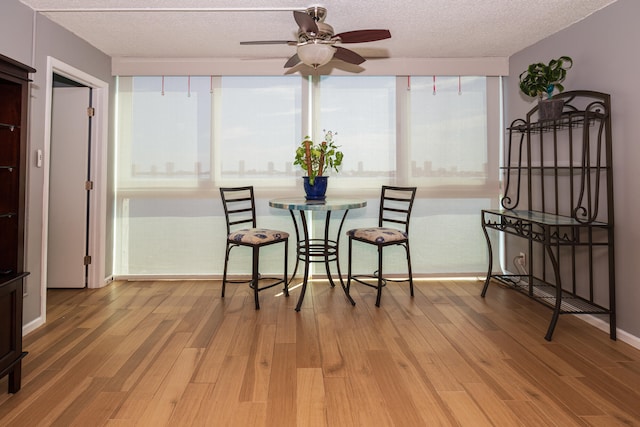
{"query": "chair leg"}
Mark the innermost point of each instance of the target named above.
(224, 274)
(286, 261)
(349, 266)
(255, 276)
(409, 268)
(379, 276)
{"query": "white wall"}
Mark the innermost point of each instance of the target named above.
(605, 54)
(30, 38)
(131, 66)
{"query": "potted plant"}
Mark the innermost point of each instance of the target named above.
(316, 160)
(540, 80)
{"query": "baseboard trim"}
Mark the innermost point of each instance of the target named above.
(32, 326)
(621, 335)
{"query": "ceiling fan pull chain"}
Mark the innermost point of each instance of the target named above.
(434, 85)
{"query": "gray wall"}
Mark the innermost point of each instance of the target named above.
(15, 31)
(17, 41)
(605, 53)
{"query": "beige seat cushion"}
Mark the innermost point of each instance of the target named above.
(378, 234)
(256, 236)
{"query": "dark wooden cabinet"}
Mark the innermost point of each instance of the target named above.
(11, 353)
(14, 85)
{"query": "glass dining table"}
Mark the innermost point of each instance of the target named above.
(322, 249)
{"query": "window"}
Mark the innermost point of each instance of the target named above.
(164, 132)
(257, 126)
(180, 138)
(362, 110)
(448, 131)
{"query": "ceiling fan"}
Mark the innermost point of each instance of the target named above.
(317, 44)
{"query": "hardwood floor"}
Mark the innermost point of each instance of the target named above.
(173, 353)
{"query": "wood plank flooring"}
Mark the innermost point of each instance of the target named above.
(173, 353)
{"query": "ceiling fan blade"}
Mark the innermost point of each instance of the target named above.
(305, 22)
(257, 42)
(347, 55)
(294, 60)
(362, 36)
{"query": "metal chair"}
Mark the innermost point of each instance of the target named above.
(393, 229)
(240, 214)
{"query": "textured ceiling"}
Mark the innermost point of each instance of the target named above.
(214, 28)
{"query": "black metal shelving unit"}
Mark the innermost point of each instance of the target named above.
(558, 207)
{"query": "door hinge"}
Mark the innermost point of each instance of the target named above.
(91, 111)
(87, 259)
(88, 185)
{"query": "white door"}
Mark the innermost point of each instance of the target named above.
(68, 196)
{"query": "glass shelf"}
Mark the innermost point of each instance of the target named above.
(567, 120)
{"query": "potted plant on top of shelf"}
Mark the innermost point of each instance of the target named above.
(540, 80)
(316, 160)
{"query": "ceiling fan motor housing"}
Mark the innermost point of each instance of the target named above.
(325, 32)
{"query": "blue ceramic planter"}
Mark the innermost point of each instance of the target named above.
(317, 190)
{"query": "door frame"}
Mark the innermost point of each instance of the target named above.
(98, 163)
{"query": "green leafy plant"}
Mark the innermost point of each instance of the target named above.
(542, 79)
(316, 159)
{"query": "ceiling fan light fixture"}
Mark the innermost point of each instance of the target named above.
(316, 54)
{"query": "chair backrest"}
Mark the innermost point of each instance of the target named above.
(239, 207)
(395, 206)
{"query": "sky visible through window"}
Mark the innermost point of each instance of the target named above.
(259, 122)
(448, 126)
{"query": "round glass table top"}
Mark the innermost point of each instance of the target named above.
(329, 204)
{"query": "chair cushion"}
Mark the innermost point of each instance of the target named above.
(378, 234)
(257, 236)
